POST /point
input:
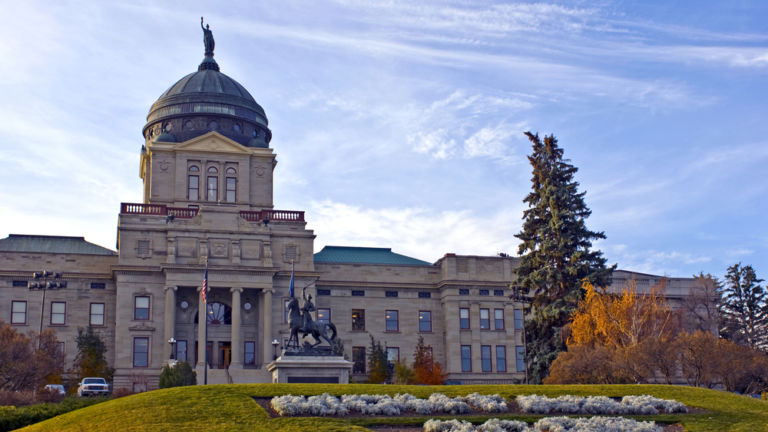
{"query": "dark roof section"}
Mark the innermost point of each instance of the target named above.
(365, 255)
(51, 244)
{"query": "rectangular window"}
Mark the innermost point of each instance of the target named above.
(193, 193)
(463, 291)
(391, 293)
(323, 292)
(392, 322)
(485, 319)
(501, 358)
(358, 360)
(62, 348)
(213, 188)
(140, 352)
(142, 247)
(358, 293)
(98, 285)
(18, 312)
(249, 353)
(323, 315)
(141, 308)
(285, 309)
(498, 293)
(485, 358)
(231, 189)
(425, 321)
(498, 319)
(484, 292)
(181, 350)
(520, 358)
(393, 355)
(97, 314)
(358, 319)
(464, 318)
(424, 294)
(518, 319)
(58, 313)
(19, 283)
(466, 358)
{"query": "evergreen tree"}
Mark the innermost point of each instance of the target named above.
(180, 374)
(90, 360)
(745, 312)
(378, 366)
(555, 251)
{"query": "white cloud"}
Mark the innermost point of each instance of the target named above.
(435, 143)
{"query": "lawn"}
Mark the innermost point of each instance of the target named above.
(232, 408)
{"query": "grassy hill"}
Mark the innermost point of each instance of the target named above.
(232, 408)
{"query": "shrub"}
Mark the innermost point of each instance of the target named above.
(180, 374)
(403, 374)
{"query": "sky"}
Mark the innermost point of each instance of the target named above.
(400, 124)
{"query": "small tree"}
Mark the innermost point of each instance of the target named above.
(377, 362)
(426, 369)
(337, 348)
(403, 374)
(26, 364)
(91, 360)
(701, 307)
(180, 374)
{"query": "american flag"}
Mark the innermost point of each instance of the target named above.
(203, 292)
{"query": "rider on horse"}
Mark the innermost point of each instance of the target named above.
(306, 310)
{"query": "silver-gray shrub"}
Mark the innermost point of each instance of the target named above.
(568, 404)
(594, 424)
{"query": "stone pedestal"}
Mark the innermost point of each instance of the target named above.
(310, 369)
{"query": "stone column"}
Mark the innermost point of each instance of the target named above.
(236, 360)
(201, 322)
(266, 350)
(169, 319)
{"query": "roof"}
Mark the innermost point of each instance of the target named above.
(365, 255)
(51, 244)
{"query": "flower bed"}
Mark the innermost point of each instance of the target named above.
(549, 424)
(645, 404)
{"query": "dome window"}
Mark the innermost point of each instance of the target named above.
(236, 127)
(213, 126)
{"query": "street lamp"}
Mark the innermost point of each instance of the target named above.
(44, 281)
(172, 342)
(275, 343)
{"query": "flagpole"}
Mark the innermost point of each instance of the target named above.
(205, 305)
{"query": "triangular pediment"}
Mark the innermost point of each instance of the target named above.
(213, 142)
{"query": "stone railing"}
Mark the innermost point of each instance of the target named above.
(158, 209)
(273, 215)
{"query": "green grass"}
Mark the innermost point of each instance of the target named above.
(231, 408)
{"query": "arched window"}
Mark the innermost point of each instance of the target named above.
(193, 183)
(213, 184)
(231, 195)
(219, 313)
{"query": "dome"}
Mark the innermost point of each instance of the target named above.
(205, 101)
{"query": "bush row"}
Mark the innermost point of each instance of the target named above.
(549, 424)
(568, 404)
(16, 417)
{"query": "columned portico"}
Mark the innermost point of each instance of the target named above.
(169, 319)
(236, 361)
(266, 316)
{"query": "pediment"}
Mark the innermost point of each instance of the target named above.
(212, 142)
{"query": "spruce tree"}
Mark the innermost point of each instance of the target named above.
(744, 311)
(556, 254)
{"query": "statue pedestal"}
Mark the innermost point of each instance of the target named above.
(310, 369)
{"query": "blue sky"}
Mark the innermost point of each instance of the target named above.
(400, 124)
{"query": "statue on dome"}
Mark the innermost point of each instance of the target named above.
(207, 38)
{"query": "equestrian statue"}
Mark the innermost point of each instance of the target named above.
(300, 321)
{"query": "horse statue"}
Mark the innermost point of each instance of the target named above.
(300, 321)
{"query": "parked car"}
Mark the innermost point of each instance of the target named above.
(56, 388)
(92, 386)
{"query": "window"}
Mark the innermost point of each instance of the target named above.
(425, 321)
(358, 293)
(518, 319)
(140, 352)
(464, 291)
(231, 183)
(501, 358)
(498, 319)
(358, 360)
(358, 319)
(485, 319)
(466, 358)
(424, 294)
(98, 285)
(498, 293)
(219, 313)
(485, 358)
(97, 314)
(249, 353)
(520, 358)
(19, 283)
(193, 183)
(181, 350)
(142, 247)
(323, 292)
(287, 315)
(464, 318)
(392, 323)
(212, 184)
(484, 292)
(141, 308)
(58, 313)
(393, 355)
(323, 315)
(62, 348)
(18, 312)
(391, 293)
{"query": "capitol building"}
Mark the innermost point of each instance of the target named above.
(207, 165)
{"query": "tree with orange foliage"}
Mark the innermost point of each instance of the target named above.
(427, 370)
